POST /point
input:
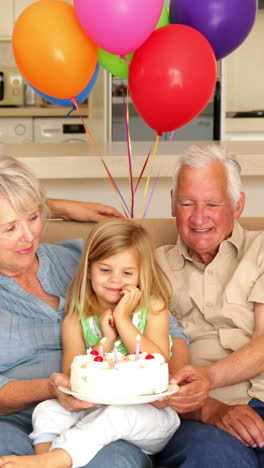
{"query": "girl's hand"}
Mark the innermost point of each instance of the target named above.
(107, 324)
(127, 303)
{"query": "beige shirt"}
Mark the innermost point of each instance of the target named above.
(214, 304)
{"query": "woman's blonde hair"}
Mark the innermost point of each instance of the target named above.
(109, 238)
(20, 186)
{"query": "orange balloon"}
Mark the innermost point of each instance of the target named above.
(51, 49)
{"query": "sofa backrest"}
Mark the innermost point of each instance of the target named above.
(163, 230)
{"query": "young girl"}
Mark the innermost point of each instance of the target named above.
(119, 291)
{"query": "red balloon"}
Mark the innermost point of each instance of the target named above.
(172, 77)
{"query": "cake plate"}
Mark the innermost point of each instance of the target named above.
(122, 400)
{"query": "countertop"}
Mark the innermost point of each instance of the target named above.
(83, 161)
(43, 111)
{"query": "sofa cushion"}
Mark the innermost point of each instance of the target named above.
(163, 230)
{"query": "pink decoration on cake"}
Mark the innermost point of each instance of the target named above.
(117, 343)
(137, 347)
(101, 348)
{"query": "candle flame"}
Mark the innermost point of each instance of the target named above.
(103, 340)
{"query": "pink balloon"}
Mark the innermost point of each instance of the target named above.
(118, 26)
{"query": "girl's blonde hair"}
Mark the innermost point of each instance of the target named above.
(109, 238)
(20, 186)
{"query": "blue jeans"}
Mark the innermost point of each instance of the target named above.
(121, 454)
(198, 445)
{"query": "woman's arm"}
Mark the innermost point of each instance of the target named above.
(80, 211)
(18, 395)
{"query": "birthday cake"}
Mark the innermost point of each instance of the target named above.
(116, 375)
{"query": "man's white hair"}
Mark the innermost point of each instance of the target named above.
(199, 157)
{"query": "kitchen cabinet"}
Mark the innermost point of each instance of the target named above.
(9, 12)
(19, 6)
(16, 130)
(244, 129)
(243, 76)
(6, 18)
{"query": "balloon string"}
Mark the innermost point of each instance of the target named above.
(142, 172)
(70, 111)
(149, 176)
(87, 131)
(126, 117)
(172, 135)
(151, 196)
(113, 183)
(115, 186)
(155, 140)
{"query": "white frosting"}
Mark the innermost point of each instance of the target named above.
(128, 377)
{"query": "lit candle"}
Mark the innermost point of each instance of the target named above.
(101, 348)
(137, 348)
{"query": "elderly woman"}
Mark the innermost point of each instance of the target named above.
(33, 282)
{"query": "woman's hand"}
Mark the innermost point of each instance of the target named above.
(69, 402)
(81, 211)
(107, 324)
(127, 303)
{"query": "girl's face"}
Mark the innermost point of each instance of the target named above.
(110, 275)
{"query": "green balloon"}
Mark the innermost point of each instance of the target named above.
(119, 66)
(164, 17)
(114, 63)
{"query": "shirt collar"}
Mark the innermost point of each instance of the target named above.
(236, 237)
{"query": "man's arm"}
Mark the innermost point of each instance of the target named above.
(243, 364)
(70, 210)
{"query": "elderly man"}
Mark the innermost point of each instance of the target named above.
(216, 269)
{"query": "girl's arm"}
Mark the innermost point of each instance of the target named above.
(72, 341)
(180, 355)
(259, 320)
(156, 334)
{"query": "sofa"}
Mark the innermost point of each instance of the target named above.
(163, 231)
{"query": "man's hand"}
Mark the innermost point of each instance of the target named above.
(241, 421)
(193, 391)
(70, 210)
(69, 402)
